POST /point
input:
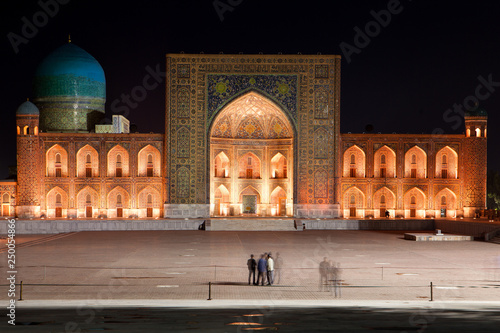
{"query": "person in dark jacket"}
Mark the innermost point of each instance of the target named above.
(252, 265)
(262, 268)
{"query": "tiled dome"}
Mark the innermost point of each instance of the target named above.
(27, 108)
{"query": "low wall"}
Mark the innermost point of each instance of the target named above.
(62, 226)
(476, 229)
(393, 224)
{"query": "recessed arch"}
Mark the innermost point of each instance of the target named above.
(445, 203)
(87, 161)
(57, 202)
(354, 162)
(384, 200)
(416, 163)
(279, 166)
(256, 138)
(118, 162)
(354, 202)
(415, 203)
(384, 163)
(446, 163)
(149, 202)
(253, 91)
(221, 165)
(56, 161)
(251, 116)
(149, 162)
(87, 202)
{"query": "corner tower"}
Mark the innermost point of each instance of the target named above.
(28, 189)
(70, 90)
(475, 166)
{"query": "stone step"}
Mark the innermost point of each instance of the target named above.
(495, 240)
(251, 225)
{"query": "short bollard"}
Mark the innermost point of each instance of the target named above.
(209, 291)
(432, 294)
(21, 291)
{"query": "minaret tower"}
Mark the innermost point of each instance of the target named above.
(474, 159)
(28, 178)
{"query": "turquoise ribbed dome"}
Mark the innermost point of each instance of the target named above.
(27, 108)
(69, 90)
(70, 71)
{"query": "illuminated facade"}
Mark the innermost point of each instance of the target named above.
(245, 135)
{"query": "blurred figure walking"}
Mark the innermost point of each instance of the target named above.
(262, 268)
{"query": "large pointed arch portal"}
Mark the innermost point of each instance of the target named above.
(251, 139)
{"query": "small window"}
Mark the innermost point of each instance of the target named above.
(382, 199)
(382, 159)
(353, 159)
(413, 159)
(249, 161)
(150, 199)
(119, 199)
(88, 199)
(444, 159)
(58, 158)
(18, 130)
(58, 199)
(118, 159)
(412, 200)
(443, 201)
(6, 198)
(353, 199)
(88, 158)
(150, 159)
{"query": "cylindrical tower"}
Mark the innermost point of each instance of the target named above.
(28, 188)
(475, 160)
(70, 91)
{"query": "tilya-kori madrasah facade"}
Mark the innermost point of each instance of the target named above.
(245, 135)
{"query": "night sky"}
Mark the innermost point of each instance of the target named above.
(430, 56)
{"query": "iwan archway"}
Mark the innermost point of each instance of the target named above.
(251, 159)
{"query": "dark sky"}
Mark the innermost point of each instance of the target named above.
(430, 56)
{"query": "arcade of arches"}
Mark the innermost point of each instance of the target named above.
(251, 159)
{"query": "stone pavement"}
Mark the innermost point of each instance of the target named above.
(180, 264)
(157, 281)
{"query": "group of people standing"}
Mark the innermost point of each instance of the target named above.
(266, 268)
(329, 277)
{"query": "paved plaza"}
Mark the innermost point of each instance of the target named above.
(174, 268)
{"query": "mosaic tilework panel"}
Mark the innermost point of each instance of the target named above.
(183, 71)
(321, 71)
(222, 88)
(321, 100)
(183, 104)
(68, 85)
(65, 120)
(475, 172)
